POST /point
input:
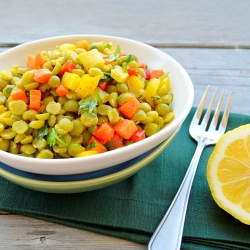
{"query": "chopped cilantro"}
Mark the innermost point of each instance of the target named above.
(8, 90)
(88, 104)
(110, 145)
(125, 68)
(93, 46)
(115, 55)
(91, 145)
(51, 138)
(42, 131)
(108, 46)
(129, 58)
(106, 77)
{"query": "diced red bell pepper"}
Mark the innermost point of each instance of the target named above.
(132, 72)
(104, 132)
(103, 85)
(147, 74)
(67, 67)
(138, 135)
(115, 142)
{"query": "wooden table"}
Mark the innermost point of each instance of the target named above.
(211, 39)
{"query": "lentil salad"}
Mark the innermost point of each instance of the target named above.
(81, 99)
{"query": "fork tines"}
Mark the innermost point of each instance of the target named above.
(205, 119)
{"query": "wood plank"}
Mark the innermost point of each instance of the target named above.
(218, 23)
(223, 68)
(18, 232)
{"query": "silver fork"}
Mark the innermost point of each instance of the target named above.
(168, 234)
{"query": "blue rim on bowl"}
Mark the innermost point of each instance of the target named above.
(76, 177)
(86, 185)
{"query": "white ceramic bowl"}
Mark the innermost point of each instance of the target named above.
(181, 86)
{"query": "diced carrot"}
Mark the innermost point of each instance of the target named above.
(42, 75)
(142, 65)
(30, 61)
(104, 132)
(84, 44)
(61, 90)
(107, 62)
(103, 85)
(67, 67)
(96, 145)
(115, 142)
(19, 94)
(122, 54)
(156, 73)
(125, 128)
(129, 107)
(39, 60)
(138, 135)
(35, 99)
(132, 72)
(104, 56)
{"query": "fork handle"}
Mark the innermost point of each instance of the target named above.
(168, 234)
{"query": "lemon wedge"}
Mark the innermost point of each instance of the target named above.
(228, 173)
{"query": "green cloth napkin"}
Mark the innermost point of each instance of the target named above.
(133, 208)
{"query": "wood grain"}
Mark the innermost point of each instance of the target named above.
(217, 23)
(18, 232)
